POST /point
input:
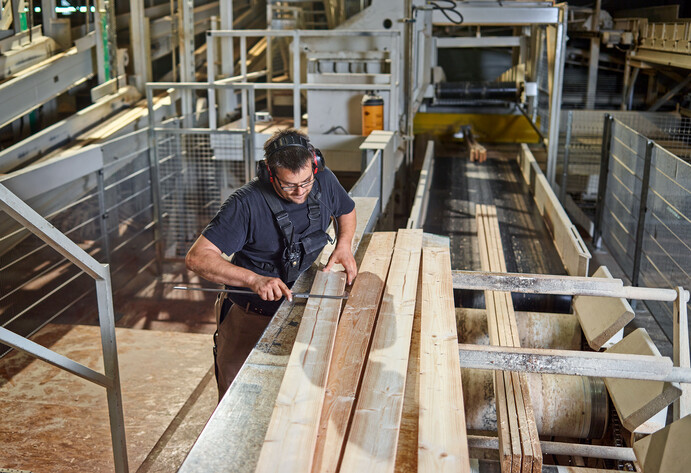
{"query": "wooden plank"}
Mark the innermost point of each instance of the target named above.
(507, 416)
(365, 207)
(233, 437)
(568, 242)
(667, 450)
(406, 450)
(526, 453)
(442, 442)
(350, 351)
(503, 427)
(682, 358)
(371, 444)
(292, 433)
(601, 317)
(637, 401)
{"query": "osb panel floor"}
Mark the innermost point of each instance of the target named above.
(52, 421)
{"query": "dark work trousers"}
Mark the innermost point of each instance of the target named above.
(236, 334)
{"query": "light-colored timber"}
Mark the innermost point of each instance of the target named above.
(601, 317)
(350, 351)
(292, 433)
(568, 242)
(371, 444)
(364, 214)
(525, 455)
(503, 426)
(637, 401)
(442, 442)
(667, 450)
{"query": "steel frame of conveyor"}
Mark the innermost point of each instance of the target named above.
(578, 363)
(25, 215)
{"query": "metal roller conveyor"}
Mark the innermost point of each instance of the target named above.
(482, 91)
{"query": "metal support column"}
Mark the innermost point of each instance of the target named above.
(642, 209)
(187, 69)
(102, 61)
(226, 98)
(49, 17)
(211, 77)
(17, 8)
(297, 112)
(602, 182)
(140, 43)
(106, 318)
(103, 211)
(594, 58)
(555, 99)
(155, 180)
(567, 146)
(625, 85)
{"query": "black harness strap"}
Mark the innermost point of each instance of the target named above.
(294, 252)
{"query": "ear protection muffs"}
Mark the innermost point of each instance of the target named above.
(264, 171)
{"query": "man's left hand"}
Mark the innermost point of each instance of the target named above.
(343, 256)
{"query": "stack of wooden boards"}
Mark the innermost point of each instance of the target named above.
(341, 403)
(519, 444)
(477, 151)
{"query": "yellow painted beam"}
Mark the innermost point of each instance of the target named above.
(494, 128)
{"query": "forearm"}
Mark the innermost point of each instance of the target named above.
(347, 224)
(216, 269)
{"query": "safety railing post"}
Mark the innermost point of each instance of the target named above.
(567, 147)
(106, 318)
(642, 208)
(602, 183)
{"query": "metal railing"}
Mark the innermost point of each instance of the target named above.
(580, 145)
(195, 168)
(25, 215)
(643, 213)
(297, 85)
(99, 197)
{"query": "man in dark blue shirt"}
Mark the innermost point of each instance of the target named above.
(274, 227)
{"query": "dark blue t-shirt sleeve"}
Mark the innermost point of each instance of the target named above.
(228, 229)
(339, 200)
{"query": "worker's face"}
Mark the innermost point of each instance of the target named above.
(294, 186)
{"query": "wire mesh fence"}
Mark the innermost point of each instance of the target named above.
(646, 206)
(109, 213)
(198, 170)
(580, 138)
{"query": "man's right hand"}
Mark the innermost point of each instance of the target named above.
(270, 289)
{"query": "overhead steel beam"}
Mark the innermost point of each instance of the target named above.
(64, 130)
(665, 58)
(29, 91)
(505, 14)
(479, 42)
(40, 178)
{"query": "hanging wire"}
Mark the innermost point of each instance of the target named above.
(449, 9)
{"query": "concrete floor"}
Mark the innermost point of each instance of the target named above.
(52, 421)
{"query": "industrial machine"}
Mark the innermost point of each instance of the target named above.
(175, 122)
